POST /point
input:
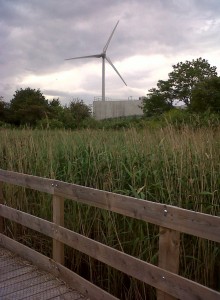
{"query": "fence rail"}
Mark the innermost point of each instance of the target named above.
(171, 220)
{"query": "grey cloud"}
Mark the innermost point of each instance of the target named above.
(36, 36)
(66, 97)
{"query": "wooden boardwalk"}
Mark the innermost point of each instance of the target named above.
(172, 221)
(19, 279)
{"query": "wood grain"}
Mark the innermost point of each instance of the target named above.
(17, 283)
(182, 220)
(58, 219)
(28, 181)
(72, 279)
(161, 279)
(169, 249)
(172, 220)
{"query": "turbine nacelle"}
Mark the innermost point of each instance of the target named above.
(104, 57)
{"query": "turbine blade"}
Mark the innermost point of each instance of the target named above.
(88, 56)
(109, 61)
(106, 46)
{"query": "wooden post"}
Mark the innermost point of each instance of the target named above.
(58, 219)
(169, 247)
(1, 202)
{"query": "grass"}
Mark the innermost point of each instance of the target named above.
(177, 167)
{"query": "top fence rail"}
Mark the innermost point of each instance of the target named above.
(175, 218)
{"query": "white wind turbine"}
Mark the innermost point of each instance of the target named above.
(104, 57)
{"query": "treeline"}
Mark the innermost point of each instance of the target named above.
(193, 85)
(30, 108)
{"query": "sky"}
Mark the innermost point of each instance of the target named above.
(36, 36)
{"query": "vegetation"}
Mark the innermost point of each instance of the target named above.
(186, 75)
(178, 167)
(194, 83)
(179, 87)
(170, 155)
(29, 107)
(206, 96)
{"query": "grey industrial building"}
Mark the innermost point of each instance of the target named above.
(115, 109)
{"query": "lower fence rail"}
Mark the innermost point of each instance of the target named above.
(163, 277)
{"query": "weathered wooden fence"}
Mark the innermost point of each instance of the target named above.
(171, 220)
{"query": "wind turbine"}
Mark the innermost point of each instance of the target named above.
(104, 57)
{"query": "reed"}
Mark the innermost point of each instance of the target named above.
(177, 167)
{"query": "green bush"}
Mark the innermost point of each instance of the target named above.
(50, 124)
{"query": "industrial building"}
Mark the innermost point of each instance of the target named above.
(115, 109)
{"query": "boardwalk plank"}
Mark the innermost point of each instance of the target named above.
(69, 296)
(6, 261)
(12, 267)
(75, 281)
(29, 282)
(58, 292)
(30, 292)
(15, 273)
(19, 279)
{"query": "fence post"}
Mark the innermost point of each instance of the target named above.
(169, 248)
(58, 219)
(1, 202)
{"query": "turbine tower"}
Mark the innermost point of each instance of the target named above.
(104, 57)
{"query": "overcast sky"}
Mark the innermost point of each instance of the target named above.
(37, 35)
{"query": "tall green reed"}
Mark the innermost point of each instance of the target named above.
(177, 167)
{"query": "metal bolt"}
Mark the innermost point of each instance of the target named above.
(165, 212)
(56, 185)
(163, 278)
(52, 184)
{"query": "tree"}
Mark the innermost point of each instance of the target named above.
(79, 110)
(186, 75)
(4, 110)
(74, 114)
(178, 87)
(28, 106)
(55, 109)
(155, 104)
(206, 96)
(166, 89)
(54, 118)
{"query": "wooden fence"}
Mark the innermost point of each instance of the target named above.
(171, 220)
